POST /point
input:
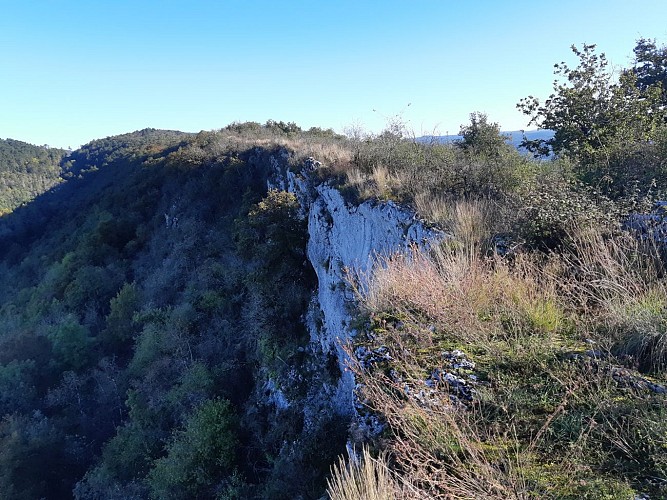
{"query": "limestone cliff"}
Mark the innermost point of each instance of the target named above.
(345, 239)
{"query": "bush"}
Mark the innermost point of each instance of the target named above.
(199, 456)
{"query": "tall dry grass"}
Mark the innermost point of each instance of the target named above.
(363, 477)
(618, 283)
(523, 313)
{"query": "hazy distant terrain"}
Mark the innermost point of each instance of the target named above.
(515, 137)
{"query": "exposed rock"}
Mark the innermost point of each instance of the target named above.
(652, 225)
(626, 378)
(344, 241)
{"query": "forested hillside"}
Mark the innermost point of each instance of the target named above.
(140, 300)
(161, 327)
(27, 171)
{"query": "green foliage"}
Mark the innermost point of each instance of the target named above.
(17, 390)
(482, 137)
(26, 171)
(273, 231)
(31, 461)
(71, 344)
(199, 455)
(120, 325)
(650, 66)
(289, 128)
(481, 165)
(550, 207)
(600, 124)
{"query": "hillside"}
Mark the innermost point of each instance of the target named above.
(140, 300)
(27, 171)
(263, 311)
(172, 328)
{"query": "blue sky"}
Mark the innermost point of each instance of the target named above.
(72, 71)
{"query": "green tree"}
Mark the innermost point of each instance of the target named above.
(200, 456)
(589, 113)
(273, 231)
(17, 391)
(650, 66)
(480, 136)
(31, 459)
(612, 129)
(71, 344)
(120, 327)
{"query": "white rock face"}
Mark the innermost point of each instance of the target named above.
(346, 240)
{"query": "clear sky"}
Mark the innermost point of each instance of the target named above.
(76, 70)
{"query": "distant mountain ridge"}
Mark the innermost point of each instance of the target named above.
(515, 137)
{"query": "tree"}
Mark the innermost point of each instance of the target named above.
(483, 137)
(613, 129)
(650, 66)
(200, 456)
(120, 324)
(71, 344)
(590, 113)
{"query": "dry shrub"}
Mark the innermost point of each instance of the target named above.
(363, 478)
(386, 183)
(333, 153)
(472, 224)
(434, 208)
(360, 183)
(479, 301)
(610, 268)
(618, 283)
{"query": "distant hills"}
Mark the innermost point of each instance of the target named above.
(515, 137)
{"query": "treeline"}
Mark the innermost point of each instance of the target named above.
(26, 171)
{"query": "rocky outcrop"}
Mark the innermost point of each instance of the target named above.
(345, 240)
(652, 225)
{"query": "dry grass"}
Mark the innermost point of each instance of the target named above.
(363, 478)
(334, 151)
(478, 301)
(439, 445)
(433, 208)
(539, 421)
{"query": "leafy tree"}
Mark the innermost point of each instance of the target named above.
(120, 325)
(199, 456)
(650, 66)
(612, 129)
(71, 344)
(17, 390)
(273, 231)
(480, 136)
(31, 460)
(589, 113)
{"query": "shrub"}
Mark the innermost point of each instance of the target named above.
(198, 456)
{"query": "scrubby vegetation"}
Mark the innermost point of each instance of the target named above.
(152, 304)
(525, 356)
(26, 171)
